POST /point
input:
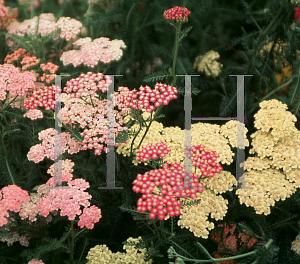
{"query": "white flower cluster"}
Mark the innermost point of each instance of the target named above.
(208, 63)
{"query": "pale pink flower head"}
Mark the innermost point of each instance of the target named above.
(15, 82)
(34, 114)
(38, 152)
(92, 52)
(70, 27)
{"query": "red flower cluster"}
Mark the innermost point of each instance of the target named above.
(297, 14)
(177, 13)
(152, 151)
(206, 161)
(162, 93)
(171, 174)
(41, 96)
(230, 241)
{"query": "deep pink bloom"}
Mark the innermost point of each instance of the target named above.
(177, 14)
(297, 14)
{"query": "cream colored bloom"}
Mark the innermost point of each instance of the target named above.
(208, 61)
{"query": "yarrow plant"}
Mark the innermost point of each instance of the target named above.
(150, 157)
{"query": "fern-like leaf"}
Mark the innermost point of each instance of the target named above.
(156, 76)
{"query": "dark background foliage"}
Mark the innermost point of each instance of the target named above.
(224, 26)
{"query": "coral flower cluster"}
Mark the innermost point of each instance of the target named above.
(177, 13)
(31, 61)
(51, 68)
(162, 93)
(11, 198)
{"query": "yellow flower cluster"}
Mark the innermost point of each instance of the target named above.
(296, 245)
(194, 217)
(233, 130)
(211, 137)
(278, 49)
(274, 174)
(208, 60)
(221, 182)
(101, 254)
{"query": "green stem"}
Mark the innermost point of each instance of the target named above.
(72, 242)
(133, 39)
(83, 229)
(156, 114)
(175, 53)
(275, 19)
(146, 131)
(272, 92)
(134, 139)
(31, 9)
(88, 18)
(5, 156)
(222, 259)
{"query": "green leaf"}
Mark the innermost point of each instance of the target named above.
(77, 135)
(258, 63)
(12, 132)
(184, 32)
(155, 76)
(122, 137)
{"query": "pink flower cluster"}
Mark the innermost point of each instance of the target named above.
(11, 198)
(46, 149)
(68, 201)
(92, 52)
(15, 82)
(33, 114)
(206, 161)
(162, 93)
(42, 97)
(177, 13)
(169, 178)
(152, 151)
(69, 27)
(82, 111)
(87, 84)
